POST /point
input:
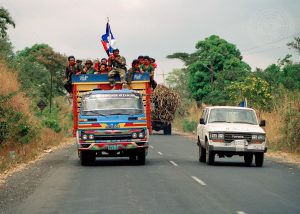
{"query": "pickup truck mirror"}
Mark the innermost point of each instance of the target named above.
(262, 123)
(201, 121)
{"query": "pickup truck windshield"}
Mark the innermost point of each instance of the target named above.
(112, 104)
(227, 115)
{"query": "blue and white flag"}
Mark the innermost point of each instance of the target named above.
(108, 40)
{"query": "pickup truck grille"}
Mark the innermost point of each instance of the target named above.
(113, 137)
(229, 137)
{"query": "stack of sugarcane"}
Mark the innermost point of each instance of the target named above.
(164, 104)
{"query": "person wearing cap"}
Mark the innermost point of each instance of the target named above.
(88, 69)
(135, 68)
(118, 64)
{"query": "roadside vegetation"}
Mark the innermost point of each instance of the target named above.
(215, 74)
(25, 79)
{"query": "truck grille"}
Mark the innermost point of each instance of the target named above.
(229, 137)
(113, 137)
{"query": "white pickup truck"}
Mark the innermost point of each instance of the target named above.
(226, 131)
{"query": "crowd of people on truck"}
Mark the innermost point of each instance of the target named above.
(114, 65)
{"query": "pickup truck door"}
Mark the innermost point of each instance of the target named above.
(202, 126)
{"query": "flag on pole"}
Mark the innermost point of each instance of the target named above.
(108, 40)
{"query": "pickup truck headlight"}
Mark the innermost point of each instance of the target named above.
(259, 137)
(216, 136)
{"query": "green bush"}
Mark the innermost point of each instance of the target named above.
(189, 126)
(52, 124)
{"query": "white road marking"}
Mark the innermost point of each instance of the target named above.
(160, 153)
(172, 162)
(240, 212)
(199, 181)
(151, 146)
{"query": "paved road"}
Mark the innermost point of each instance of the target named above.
(172, 181)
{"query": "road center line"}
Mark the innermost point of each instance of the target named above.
(172, 162)
(160, 153)
(199, 181)
(151, 146)
(240, 212)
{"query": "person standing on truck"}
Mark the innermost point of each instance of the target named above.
(147, 67)
(141, 60)
(103, 69)
(88, 69)
(70, 70)
(134, 69)
(103, 61)
(118, 64)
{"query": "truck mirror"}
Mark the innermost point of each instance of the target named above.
(201, 121)
(262, 123)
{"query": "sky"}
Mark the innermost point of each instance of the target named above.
(259, 28)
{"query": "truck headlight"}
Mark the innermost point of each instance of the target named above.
(91, 137)
(134, 135)
(261, 137)
(84, 137)
(254, 137)
(141, 135)
(216, 136)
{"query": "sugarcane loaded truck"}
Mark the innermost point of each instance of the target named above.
(164, 103)
(111, 123)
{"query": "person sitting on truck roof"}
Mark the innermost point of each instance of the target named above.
(135, 68)
(103, 69)
(118, 64)
(152, 61)
(141, 60)
(147, 67)
(96, 65)
(70, 70)
(88, 69)
(103, 61)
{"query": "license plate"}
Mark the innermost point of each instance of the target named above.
(112, 147)
(240, 145)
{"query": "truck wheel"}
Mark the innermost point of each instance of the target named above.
(87, 158)
(248, 158)
(170, 129)
(210, 156)
(202, 154)
(259, 159)
(141, 157)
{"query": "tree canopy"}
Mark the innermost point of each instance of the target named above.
(5, 21)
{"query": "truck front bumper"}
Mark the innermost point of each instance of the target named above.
(117, 146)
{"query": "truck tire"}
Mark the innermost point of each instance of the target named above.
(168, 129)
(87, 158)
(248, 158)
(259, 159)
(210, 156)
(141, 157)
(202, 154)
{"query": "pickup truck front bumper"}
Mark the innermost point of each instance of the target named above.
(224, 147)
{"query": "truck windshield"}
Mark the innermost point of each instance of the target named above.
(227, 115)
(112, 104)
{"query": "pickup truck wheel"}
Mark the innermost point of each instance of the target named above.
(141, 157)
(210, 156)
(248, 158)
(259, 159)
(202, 154)
(87, 158)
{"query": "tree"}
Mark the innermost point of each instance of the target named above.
(38, 64)
(254, 89)
(295, 44)
(5, 20)
(212, 57)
